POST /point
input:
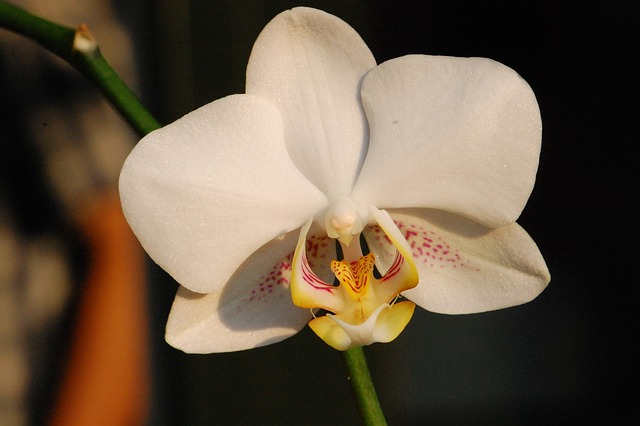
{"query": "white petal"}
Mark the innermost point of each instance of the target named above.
(465, 267)
(457, 134)
(311, 65)
(254, 308)
(205, 192)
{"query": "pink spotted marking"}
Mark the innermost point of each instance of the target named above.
(317, 246)
(278, 278)
(428, 247)
(435, 249)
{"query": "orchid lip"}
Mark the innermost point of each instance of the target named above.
(358, 302)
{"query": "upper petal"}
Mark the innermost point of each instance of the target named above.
(465, 267)
(310, 64)
(205, 192)
(458, 134)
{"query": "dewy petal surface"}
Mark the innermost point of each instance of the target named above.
(465, 267)
(202, 194)
(457, 134)
(311, 64)
(254, 309)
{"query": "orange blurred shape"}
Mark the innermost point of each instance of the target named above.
(107, 377)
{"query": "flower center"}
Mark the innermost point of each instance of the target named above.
(363, 308)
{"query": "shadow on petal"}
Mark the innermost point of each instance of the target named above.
(447, 221)
(257, 295)
(254, 308)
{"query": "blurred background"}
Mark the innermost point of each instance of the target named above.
(567, 357)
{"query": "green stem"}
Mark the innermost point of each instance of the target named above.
(363, 388)
(85, 57)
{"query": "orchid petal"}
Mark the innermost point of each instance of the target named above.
(197, 323)
(473, 123)
(207, 191)
(310, 64)
(253, 309)
(465, 267)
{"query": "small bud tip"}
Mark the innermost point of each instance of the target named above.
(83, 41)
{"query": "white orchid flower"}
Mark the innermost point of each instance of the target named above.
(241, 199)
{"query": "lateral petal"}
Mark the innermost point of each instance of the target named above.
(310, 64)
(457, 134)
(465, 267)
(204, 193)
(254, 308)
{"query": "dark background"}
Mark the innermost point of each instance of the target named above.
(567, 357)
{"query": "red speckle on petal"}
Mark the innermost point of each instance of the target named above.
(429, 247)
(274, 283)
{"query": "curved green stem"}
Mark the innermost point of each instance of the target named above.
(363, 388)
(78, 48)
